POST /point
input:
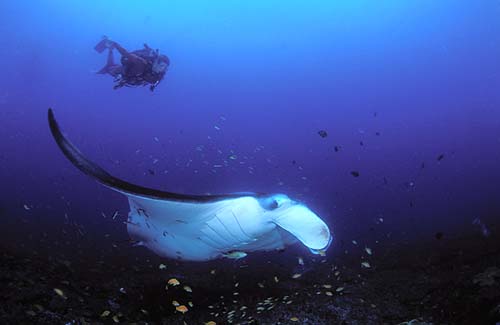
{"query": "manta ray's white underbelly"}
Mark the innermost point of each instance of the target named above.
(204, 232)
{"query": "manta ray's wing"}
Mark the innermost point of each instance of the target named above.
(92, 169)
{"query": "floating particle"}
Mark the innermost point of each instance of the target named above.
(190, 303)
(368, 250)
(365, 264)
(122, 290)
(232, 157)
(188, 289)
(116, 319)
(156, 139)
(355, 173)
(173, 282)
(323, 133)
(354, 242)
(212, 272)
(162, 266)
(301, 261)
(216, 127)
(276, 279)
(26, 207)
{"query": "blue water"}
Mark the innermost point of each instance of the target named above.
(258, 80)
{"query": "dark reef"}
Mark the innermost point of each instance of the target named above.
(70, 280)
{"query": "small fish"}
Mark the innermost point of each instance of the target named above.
(296, 276)
(301, 261)
(183, 309)
(175, 303)
(235, 255)
(439, 235)
(26, 207)
(339, 289)
(187, 289)
(216, 127)
(173, 282)
(211, 323)
(484, 230)
(294, 319)
(105, 313)
(440, 157)
(162, 266)
(368, 250)
(60, 293)
(115, 215)
(323, 133)
(355, 173)
(365, 264)
(151, 172)
(336, 148)
(232, 157)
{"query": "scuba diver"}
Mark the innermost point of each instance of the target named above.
(137, 68)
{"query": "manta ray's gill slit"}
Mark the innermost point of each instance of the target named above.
(216, 247)
(241, 228)
(221, 231)
(213, 237)
(141, 210)
(225, 227)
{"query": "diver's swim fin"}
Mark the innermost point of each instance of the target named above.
(104, 44)
(104, 70)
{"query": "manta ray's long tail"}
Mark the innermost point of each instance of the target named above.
(92, 169)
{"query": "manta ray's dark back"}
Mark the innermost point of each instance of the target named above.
(92, 169)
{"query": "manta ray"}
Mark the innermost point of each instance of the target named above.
(206, 227)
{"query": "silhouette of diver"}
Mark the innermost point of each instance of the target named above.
(137, 68)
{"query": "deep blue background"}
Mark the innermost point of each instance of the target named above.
(270, 75)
